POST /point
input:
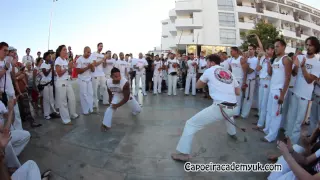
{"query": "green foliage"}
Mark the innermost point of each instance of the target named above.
(266, 32)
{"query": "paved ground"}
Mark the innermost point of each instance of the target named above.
(139, 148)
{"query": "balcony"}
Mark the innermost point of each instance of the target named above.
(271, 14)
(247, 9)
(172, 13)
(185, 39)
(304, 37)
(188, 6)
(289, 33)
(188, 23)
(172, 28)
(309, 24)
(245, 25)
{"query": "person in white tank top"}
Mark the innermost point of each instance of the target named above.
(224, 61)
(157, 67)
(280, 72)
(119, 94)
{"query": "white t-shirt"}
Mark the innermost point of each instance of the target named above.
(225, 64)
(263, 73)
(63, 63)
(83, 63)
(7, 78)
(191, 68)
(253, 62)
(169, 63)
(140, 63)
(97, 57)
(128, 65)
(301, 87)
(27, 58)
(202, 63)
(157, 65)
(3, 110)
(116, 89)
(110, 65)
(45, 79)
(122, 65)
(221, 84)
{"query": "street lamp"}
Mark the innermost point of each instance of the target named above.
(51, 22)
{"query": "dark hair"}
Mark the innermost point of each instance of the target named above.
(114, 70)
(3, 44)
(270, 46)
(225, 53)
(191, 54)
(27, 49)
(58, 51)
(291, 54)
(282, 42)
(114, 54)
(214, 58)
(45, 55)
(127, 54)
(38, 61)
(235, 48)
(108, 52)
(314, 42)
(100, 43)
(253, 46)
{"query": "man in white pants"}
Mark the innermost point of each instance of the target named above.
(223, 88)
(157, 75)
(85, 67)
(140, 66)
(122, 65)
(280, 73)
(108, 65)
(99, 78)
(119, 92)
(307, 69)
(192, 66)
(239, 68)
(250, 83)
(172, 66)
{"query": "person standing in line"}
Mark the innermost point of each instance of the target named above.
(108, 64)
(280, 72)
(183, 69)
(132, 70)
(164, 85)
(202, 66)
(115, 57)
(224, 61)
(140, 65)
(28, 58)
(65, 93)
(85, 67)
(157, 67)
(250, 83)
(239, 67)
(307, 70)
(192, 66)
(38, 54)
(172, 65)
(149, 73)
(128, 67)
(121, 64)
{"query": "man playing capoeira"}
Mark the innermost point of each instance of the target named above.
(119, 94)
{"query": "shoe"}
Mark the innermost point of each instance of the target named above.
(186, 94)
(75, 116)
(48, 117)
(233, 137)
(55, 115)
(69, 123)
(87, 114)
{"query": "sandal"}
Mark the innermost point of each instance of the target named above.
(46, 174)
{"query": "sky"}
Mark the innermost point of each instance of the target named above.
(129, 26)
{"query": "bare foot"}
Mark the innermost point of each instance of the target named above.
(180, 157)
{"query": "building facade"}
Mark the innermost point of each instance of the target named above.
(215, 25)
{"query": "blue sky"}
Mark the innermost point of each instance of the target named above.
(122, 25)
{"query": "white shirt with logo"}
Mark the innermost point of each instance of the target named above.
(301, 87)
(192, 66)
(140, 63)
(110, 65)
(225, 64)
(97, 57)
(116, 89)
(45, 79)
(253, 62)
(169, 63)
(63, 63)
(83, 62)
(221, 84)
(122, 65)
(236, 68)
(26, 59)
(202, 63)
(157, 65)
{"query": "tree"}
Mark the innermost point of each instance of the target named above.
(266, 32)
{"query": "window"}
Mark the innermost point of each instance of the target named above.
(226, 5)
(228, 36)
(226, 19)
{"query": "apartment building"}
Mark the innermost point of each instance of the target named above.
(214, 25)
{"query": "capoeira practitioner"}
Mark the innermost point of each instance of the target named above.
(65, 94)
(315, 108)
(140, 66)
(307, 70)
(85, 67)
(99, 78)
(108, 64)
(128, 69)
(250, 83)
(157, 67)
(280, 73)
(202, 66)
(172, 66)
(122, 65)
(224, 61)
(223, 88)
(119, 94)
(238, 67)
(192, 66)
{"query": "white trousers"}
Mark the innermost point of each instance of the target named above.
(66, 100)
(142, 77)
(133, 105)
(28, 171)
(86, 96)
(191, 78)
(315, 114)
(157, 81)
(207, 116)
(248, 98)
(273, 119)
(286, 173)
(239, 99)
(172, 85)
(17, 124)
(99, 87)
(48, 100)
(285, 110)
(256, 100)
(297, 111)
(264, 89)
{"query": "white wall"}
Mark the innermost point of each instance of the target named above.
(211, 23)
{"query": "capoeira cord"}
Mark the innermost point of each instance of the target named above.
(226, 117)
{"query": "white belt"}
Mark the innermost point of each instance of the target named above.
(267, 78)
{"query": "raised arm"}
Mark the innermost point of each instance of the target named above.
(259, 43)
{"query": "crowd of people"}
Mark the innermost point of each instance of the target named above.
(281, 84)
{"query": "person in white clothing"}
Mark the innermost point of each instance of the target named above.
(128, 68)
(157, 67)
(119, 92)
(65, 94)
(85, 67)
(140, 66)
(99, 78)
(108, 65)
(250, 84)
(192, 66)
(307, 70)
(223, 88)
(238, 66)
(202, 66)
(122, 65)
(224, 61)
(172, 66)
(28, 58)
(280, 72)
